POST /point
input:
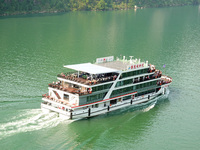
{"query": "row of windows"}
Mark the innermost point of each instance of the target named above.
(96, 97)
(133, 73)
(125, 82)
(123, 90)
(130, 81)
(132, 88)
(101, 87)
(145, 92)
(146, 84)
(127, 97)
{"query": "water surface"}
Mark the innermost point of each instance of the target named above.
(34, 48)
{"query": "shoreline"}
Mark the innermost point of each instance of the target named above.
(57, 11)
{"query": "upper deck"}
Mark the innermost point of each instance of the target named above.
(104, 70)
(124, 64)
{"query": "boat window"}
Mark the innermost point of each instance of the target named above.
(96, 105)
(124, 75)
(130, 74)
(127, 97)
(118, 84)
(107, 86)
(119, 99)
(94, 89)
(146, 70)
(66, 97)
(102, 87)
(112, 102)
(96, 97)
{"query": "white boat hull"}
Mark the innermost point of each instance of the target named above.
(84, 113)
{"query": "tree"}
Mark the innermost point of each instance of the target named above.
(101, 5)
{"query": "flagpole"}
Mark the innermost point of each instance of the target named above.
(164, 69)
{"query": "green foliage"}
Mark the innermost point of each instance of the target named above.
(35, 6)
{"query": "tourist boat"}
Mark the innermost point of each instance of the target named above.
(107, 85)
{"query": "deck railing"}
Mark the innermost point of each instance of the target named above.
(86, 79)
(68, 89)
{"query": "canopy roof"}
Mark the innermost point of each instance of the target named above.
(91, 68)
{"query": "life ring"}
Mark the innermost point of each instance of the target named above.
(90, 91)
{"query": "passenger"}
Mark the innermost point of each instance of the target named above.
(95, 81)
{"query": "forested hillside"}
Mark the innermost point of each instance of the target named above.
(10, 7)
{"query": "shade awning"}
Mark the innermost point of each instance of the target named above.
(90, 68)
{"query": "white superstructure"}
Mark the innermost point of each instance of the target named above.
(105, 86)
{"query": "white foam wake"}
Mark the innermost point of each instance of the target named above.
(149, 108)
(29, 120)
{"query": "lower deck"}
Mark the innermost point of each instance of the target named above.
(100, 107)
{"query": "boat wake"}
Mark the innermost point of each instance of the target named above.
(29, 120)
(149, 108)
(156, 100)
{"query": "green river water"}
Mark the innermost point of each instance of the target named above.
(34, 48)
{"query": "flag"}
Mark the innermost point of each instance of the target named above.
(164, 66)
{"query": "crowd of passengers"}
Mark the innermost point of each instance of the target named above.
(74, 89)
(151, 68)
(161, 82)
(55, 84)
(89, 79)
(156, 74)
